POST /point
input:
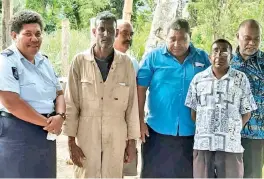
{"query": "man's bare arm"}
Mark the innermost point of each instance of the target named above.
(141, 101)
(141, 104)
(60, 103)
(193, 115)
(245, 118)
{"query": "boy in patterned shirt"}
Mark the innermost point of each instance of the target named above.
(221, 103)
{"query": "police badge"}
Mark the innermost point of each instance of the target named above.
(15, 73)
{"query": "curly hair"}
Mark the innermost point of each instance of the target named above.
(25, 17)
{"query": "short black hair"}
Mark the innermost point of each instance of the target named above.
(105, 15)
(223, 41)
(179, 24)
(25, 17)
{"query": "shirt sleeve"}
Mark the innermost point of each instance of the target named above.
(191, 98)
(247, 103)
(9, 75)
(132, 117)
(72, 99)
(145, 71)
(57, 82)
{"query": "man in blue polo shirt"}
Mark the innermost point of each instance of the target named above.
(167, 135)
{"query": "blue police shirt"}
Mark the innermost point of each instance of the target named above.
(36, 83)
(254, 70)
(168, 83)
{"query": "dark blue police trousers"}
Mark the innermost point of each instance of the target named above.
(24, 150)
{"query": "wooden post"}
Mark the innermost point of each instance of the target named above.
(92, 25)
(127, 11)
(65, 46)
(7, 11)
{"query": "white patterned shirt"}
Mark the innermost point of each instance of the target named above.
(219, 105)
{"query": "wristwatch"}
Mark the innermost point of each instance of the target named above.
(62, 115)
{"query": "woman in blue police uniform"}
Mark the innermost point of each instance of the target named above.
(28, 111)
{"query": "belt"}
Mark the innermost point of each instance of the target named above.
(6, 114)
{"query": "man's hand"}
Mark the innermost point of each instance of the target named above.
(130, 152)
(54, 124)
(76, 153)
(144, 131)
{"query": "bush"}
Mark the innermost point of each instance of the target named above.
(51, 46)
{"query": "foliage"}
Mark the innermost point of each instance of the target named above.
(213, 19)
(52, 46)
(142, 27)
(116, 7)
(79, 11)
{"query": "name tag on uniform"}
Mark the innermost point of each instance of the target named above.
(198, 64)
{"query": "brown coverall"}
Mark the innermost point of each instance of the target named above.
(101, 115)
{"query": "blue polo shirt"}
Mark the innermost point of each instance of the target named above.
(168, 82)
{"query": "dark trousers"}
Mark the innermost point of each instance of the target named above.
(218, 164)
(253, 157)
(165, 156)
(24, 150)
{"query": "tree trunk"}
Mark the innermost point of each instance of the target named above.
(7, 11)
(128, 9)
(76, 13)
(165, 12)
(65, 46)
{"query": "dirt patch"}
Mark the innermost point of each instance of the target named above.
(63, 170)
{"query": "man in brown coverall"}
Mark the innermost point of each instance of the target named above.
(102, 106)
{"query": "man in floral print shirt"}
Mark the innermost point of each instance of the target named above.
(250, 60)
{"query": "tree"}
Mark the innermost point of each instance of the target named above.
(164, 13)
(215, 19)
(50, 11)
(1, 6)
(79, 11)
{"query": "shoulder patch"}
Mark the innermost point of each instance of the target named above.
(15, 73)
(7, 52)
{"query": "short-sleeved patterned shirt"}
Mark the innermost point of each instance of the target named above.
(219, 105)
(254, 69)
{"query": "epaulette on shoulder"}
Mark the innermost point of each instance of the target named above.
(7, 52)
(45, 56)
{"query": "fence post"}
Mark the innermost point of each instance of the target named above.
(92, 25)
(65, 42)
(127, 11)
(7, 11)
